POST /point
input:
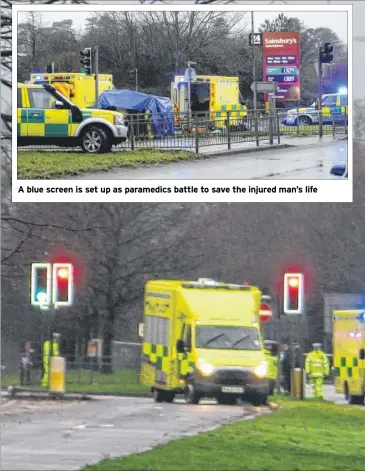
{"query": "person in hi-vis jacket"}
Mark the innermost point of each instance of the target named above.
(317, 367)
(46, 356)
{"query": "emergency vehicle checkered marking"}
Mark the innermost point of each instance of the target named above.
(347, 366)
(157, 356)
(235, 110)
(155, 348)
(51, 123)
(184, 364)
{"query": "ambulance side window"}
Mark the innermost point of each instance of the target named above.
(40, 99)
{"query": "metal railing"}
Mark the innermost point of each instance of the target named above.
(87, 374)
(184, 132)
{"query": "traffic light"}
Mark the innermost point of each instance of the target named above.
(86, 60)
(62, 284)
(293, 293)
(325, 53)
(40, 290)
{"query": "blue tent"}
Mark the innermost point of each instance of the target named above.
(160, 107)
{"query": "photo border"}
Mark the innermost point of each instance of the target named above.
(329, 190)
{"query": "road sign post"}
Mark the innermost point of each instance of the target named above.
(271, 89)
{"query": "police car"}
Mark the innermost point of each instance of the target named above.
(332, 104)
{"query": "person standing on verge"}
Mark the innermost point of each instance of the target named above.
(317, 367)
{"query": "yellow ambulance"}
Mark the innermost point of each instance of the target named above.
(47, 117)
(77, 87)
(210, 96)
(203, 339)
(348, 330)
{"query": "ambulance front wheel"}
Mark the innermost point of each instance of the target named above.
(257, 399)
(191, 395)
(94, 140)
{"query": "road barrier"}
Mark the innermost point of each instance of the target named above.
(220, 128)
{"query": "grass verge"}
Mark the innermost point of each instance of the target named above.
(120, 381)
(302, 435)
(48, 165)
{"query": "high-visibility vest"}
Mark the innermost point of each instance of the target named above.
(46, 349)
(317, 364)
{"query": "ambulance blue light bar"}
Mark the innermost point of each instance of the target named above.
(361, 317)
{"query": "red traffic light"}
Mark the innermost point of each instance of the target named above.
(293, 282)
(62, 284)
(293, 293)
(63, 273)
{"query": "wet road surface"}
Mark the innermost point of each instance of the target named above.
(59, 435)
(309, 162)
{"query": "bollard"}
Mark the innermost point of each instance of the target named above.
(57, 375)
(297, 389)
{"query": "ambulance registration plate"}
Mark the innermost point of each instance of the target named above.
(233, 389)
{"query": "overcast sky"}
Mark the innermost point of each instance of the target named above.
(337, 21)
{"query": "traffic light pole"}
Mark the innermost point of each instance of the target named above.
(49, 337)
(96, 64)
(320, 117)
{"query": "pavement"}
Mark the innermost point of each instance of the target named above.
(331, 395)
(68, 435)
(306, 158)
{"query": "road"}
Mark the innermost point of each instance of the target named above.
(62, 435)
(68, 435)
(309, 162)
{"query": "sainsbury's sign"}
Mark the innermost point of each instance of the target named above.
(280, 50)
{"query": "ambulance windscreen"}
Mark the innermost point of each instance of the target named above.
(227, 338)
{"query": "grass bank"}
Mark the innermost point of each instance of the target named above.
(49, 165)
(301, 435)
(120, 381)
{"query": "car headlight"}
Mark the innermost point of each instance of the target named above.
(261, 370)
(205, 368)
(118, 119)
